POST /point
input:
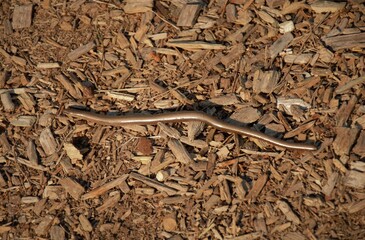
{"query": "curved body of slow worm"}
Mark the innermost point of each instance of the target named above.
(183, 116)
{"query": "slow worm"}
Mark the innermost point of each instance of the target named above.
(183, 116)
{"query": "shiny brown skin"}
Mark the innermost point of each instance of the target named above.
(183, 116)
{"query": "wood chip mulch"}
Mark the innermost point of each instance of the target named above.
(291, 69)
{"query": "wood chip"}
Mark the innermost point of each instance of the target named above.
(344, 140)
(355, 179)
(288, 212)
(48, 65)
(359, 148)
(299, 129)
(357, 206)
(179, 151)
(195, 45)
(153, 183)
(169, 222)
(7, 102)
(44, 226)
(22, 16)
(245, 115)
(32, 153)
(138, 6)
(350, 84)
(104, 188)
(280, 44)
(109, 202)
(265, 82)
(69, 86)
(327, 6)
(257, 187)
(72, 152)
(189, 13)
(72, 187)
(346, 41)
(48, 142)
(298, 59)
(78, 52)
(85, 223)
(330, 185)
(57, 232)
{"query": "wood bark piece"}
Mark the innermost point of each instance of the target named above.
(56, 232)
(22, 16)
(32, 153)
(68, 85)
(162, 165)
(298, 59)
(109, 203)
(359, 148)
(72, 187)
(245, 115)
(169, 222)
(31, 164)
(355, 179)
(205, 187)
(299, 129)
(357, 206)
(48, 65)
(330, 185)
(7, 102)
(223, 100)
(122, 41)
(106, 187)
(248, 236)
(85, 223)
(350, 84)
(189, 13)
(344, 140)
(173, 200)
(78, 52)
(287, 26)
(275, 3)
(19, 61)
(212, 202)
(345, 111)
(44, 226)
(138, 6)
(257, 187)
(356, 40)
(194, 129)
(288, 212)
(327, 6)
(28, 200)
(153, 183)
(4, 142)
(231, 13)
(56, 192)
(280, 44)
(195, 143)
(235, 53)
(169, 131)
(72, 152)
(48, 142)
(179, 151)
(195, 45)
(116, 71)
(265, 82)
